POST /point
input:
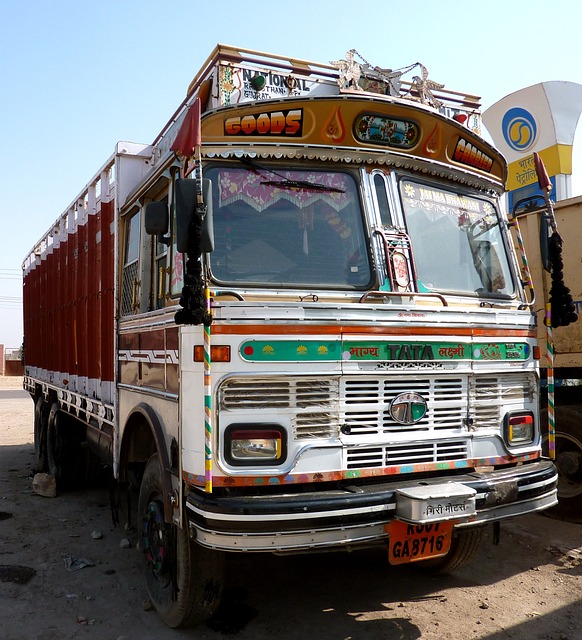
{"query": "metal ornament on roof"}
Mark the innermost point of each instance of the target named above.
(362, 76)
(424, 88)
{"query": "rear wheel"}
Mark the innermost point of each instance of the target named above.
(184, 580)
(66, 458)
(464, 548)
(40, 431)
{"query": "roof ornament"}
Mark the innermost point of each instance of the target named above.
(350, 71)
(424, 88)
(362, 76)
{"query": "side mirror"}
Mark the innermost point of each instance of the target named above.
(544, 242)
(156, 218)
(157, 221)
(194, 226)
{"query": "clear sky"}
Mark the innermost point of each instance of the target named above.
(77, 76)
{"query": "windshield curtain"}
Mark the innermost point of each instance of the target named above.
(287, 228)
(457, 241)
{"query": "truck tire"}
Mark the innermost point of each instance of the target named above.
(568, 461)
(464, 548)
(184, 580)
(40, 429)
(66, 458)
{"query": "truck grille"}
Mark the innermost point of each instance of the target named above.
(489, 393)
(313, 403)
(356, 409)
(301, 393)
(367, 400)
(404, 454)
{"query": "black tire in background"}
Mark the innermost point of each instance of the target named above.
(568, 450)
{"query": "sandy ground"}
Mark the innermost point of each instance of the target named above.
(527, 588)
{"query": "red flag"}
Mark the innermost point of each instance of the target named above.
(190, 135)
(543, 179)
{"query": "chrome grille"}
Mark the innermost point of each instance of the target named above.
(367, 400)
(258, 393)
(407, 454)
(312, 402)
(488, 394)
(358, 406)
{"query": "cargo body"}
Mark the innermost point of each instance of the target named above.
(296, 322)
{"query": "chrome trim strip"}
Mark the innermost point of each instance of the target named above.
(148, 391)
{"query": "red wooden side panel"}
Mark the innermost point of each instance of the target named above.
(68, 302)
(49, 269)
(92, 307)
(58, 334)
(71, 363)
(42, 332)
(81, 301)
(107, 292)
(64, 329)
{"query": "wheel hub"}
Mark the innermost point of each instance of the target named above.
(156, 539)
(569, 462)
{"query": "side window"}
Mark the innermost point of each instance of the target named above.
(162, 271)
(381, 196)
(130, 286)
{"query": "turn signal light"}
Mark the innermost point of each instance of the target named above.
(218, 353)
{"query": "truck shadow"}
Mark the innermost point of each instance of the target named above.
(372, 599)
(323, 596)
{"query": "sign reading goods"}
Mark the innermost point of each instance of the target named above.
(274, 123)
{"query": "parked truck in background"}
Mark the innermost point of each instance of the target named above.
(295, 322)
(566, 361)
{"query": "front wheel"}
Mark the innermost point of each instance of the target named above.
(464, 548)
(184, 580)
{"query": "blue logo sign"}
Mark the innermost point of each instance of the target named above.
(519, 129)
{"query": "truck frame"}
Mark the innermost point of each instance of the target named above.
(295, 322)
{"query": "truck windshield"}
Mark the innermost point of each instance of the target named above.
(457, 241)
(293, 228)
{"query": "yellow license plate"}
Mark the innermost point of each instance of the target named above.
(411, 542)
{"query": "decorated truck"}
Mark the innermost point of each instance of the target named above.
(294, 322)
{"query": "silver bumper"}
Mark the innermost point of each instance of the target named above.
(358, 515)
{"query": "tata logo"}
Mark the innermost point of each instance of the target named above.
(408, 408)
(519, 129)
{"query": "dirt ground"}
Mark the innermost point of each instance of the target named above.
(67, 572)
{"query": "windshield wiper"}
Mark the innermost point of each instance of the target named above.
(287, 183)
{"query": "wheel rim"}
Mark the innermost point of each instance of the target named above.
(157, 540)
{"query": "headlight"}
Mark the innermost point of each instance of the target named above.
(519, 428)
(254, 444)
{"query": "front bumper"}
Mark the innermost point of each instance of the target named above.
(356, 515)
